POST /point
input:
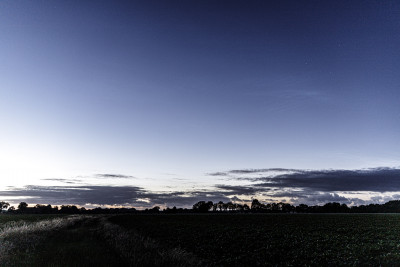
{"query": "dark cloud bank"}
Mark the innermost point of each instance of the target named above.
(296, 186)
(317, 186)
(251, 171)
(108, 195)
(375, 180)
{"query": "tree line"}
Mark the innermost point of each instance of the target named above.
(256, 206)
(23, 208)
(392, 206)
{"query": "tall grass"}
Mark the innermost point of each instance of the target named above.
(140, 250)
(25, 244)
(21, 236)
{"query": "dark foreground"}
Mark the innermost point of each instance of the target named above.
(214, 240)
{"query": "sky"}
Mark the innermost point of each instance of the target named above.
(142, 103)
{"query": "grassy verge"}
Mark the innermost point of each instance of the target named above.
(19, 239)
(84, 241)
(140, 250)
(6, 219)
(80, 245)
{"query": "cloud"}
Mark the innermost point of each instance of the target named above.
(187, 199)
(247, 171)
(296, 186)
(235, 198)
(217, 174)
(251, 171)
(317, 186)
(67, 181)
(252, 174)
(374, 180)
(322, 198)
(114, 176)
(241, 190)
(108, 195)
(302, 196)
(79, 195)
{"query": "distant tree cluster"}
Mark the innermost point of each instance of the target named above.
(4, 205)
(203, 206)
(331, 207)
(210, 207)
(64, 209)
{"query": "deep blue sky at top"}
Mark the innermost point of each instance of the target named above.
(188, 87)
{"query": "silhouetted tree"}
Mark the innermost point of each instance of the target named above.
(215, 207)
(4, 205)
(238, 207)
(202, 206)
(11, 209)
(391, 206)
(275, 207)
(155, 209)
(334, 207)
(286, 207)
(344, 208)
(267, 207)
(225, 206)
(220, 205)
(230, 206)
(43, 209)
(22, 206)
(256, 205)
(69, 209)
(302, 208)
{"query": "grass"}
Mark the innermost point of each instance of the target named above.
(80, 245)
(140, 250)
(84, 241)
(6, 218)
(18, 239)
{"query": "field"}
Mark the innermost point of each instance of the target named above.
(280, 239)
(203, 240)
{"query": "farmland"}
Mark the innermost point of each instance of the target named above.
(277, 239)
(208, 240)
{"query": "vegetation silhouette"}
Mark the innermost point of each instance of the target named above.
(4, 205)
(392, 206)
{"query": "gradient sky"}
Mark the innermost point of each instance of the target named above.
(159, 96)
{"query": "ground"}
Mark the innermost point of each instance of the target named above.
(207, 240)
